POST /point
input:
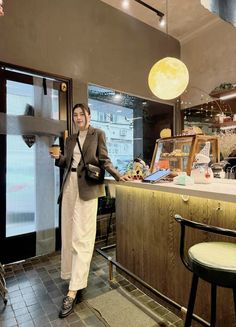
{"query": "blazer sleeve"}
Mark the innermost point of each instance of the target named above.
(61, 162)
(103, 157)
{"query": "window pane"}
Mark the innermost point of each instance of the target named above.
(131, 124)
(23, 160)
(20, 186)
(18, 96)
(116, 121)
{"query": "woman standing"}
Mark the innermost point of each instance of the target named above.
(79, 201)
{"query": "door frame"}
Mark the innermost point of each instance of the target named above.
(23, 246)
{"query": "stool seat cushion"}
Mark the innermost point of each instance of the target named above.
(214, 262)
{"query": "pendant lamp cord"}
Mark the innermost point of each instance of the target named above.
(167, 18)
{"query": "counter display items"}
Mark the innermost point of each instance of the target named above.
(179, 152)
(201, 172)
(157, 176)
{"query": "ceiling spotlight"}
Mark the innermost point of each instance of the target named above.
(125, 4)
(117, 97)
(162, 21)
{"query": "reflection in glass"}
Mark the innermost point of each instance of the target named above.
(24, 155)
(131, 124)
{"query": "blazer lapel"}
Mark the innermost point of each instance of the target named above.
(89, 138)
(70, 149)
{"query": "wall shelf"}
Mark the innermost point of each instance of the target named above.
(227, 124)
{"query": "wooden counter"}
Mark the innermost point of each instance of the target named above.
(148, 236)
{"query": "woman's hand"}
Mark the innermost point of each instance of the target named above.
(125, 178)
(54, 156)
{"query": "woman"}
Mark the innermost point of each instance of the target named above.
(79, 201)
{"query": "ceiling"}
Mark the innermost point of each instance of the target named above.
(186, 18)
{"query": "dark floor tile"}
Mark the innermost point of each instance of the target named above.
(16, 299)
(179, 323)
(40, 321)
(83, 314)
(36, 294)
(18, 305)
(37, 313)
(152, 305)
(43, 298)
(93, 321)
(27, 324)
(136, 293)
(23, 318)
(26, 292)
(124, 282)
(56, 294)
(34, 307)
(57, 301)
(59, 323)
(144, 299)
(31, 301)
(9, 322)
(50, 308)
(161, 311)
(21, 312)
(73, 318)
(57, 280)
(130, 287)
(77, 324)
(12, 288)
(170, 317)
(53, 316)
(6, 316)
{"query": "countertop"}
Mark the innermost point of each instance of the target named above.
(220, 189)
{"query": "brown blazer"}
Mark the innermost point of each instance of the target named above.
(95, 152)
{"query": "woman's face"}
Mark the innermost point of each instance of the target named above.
(81, 118)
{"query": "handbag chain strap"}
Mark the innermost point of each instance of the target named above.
(82, 155)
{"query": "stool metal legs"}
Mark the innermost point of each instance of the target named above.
(192, 298)
(191, 301)
(109, 225)
(234, 292)
(213, 305)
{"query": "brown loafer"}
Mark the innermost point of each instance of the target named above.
(67, 307)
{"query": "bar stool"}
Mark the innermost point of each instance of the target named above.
(214, 262)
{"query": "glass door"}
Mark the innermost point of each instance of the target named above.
(31, 108)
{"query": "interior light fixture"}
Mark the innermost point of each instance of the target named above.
(228, 96)
(162, 21)
(158, 12)
(117, 97)
(125, 4)
(169, 77)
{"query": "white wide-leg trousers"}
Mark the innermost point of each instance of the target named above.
(78, 227)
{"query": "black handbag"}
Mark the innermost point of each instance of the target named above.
(93, 173)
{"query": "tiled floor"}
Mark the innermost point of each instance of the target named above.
(36, 291)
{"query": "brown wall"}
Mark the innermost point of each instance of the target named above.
(86, 40)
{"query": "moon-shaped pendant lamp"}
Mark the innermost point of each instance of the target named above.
(168, 78)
